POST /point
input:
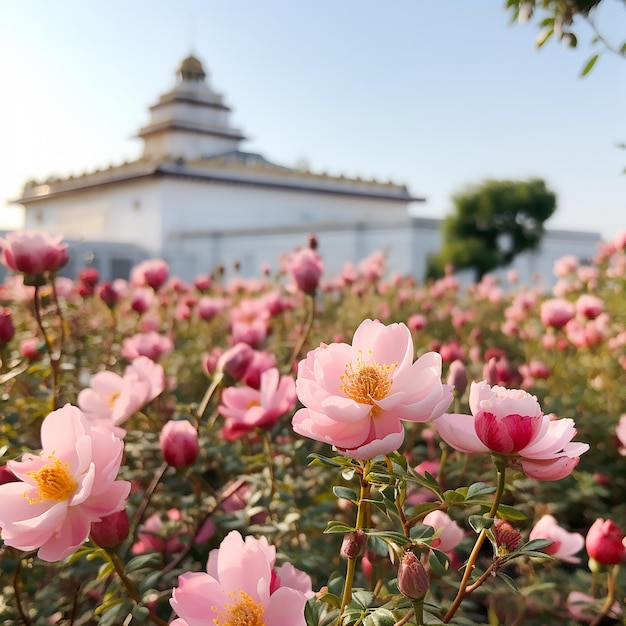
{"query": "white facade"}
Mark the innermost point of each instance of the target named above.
(197, 200)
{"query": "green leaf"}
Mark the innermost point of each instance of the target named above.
(377, 545)
(312, 612)
(509, 581)
(424, 507)
(510, 514)
(478, 522)
(589, 65)
(363, 599)
(389, 536)
(422, 531)
(335, 526)
(142, 561)
(332, 599)
(453, 496)
(544, 35)
(439, 562)
(319, 459)
(536, 544)
(479, 489)
(346, 493)
(380, 617)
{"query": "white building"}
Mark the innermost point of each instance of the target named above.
(196, 199)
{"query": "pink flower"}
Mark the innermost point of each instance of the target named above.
(151, 344)
(565, 544)
(510, 422)
(604, 542)
(111, 399)
(589, 306)
(179, 443)
(7, 330)
(556, 312)
(111, 529)
(152, 273)
(584, 608)
(29, 348)
(156, 536)
(450, 533)
(246, 408)
(33, 252)
(356, 396)
(305, 267)
(242, 586)
(69, 485)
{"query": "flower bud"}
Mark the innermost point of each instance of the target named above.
(7, 330)
(179, 443)
(111, 529)
(604, 542)
(354, 544)
(457, 376)
(413, 581)
(507, 537)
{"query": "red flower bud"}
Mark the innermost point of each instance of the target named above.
(111, 530)
(354, 544)
(413, 581)
(179, 443)
(507, 537)
(7, 330)
(604, 542)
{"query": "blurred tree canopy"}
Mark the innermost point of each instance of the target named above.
(556, 18)
(491, 224)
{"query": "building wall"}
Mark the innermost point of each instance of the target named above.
(127, 213)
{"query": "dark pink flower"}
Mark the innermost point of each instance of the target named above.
(305, 267)
(111, 529)
(179, 443)
(556, 312)
(33, 252)
(151, 273)
(7, 330)
(605, 542)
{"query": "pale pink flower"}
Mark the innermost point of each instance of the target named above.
(29, 348)
(556, 312)
(249, 321)
(565, 545)
(584, 608)
(372, 267)
(450, 533)
(589, 306)
(510, 422)
(416, 322)
(67, 486)
(33, 252)
(151, 344)
(565, 265)
(356, 396)
(111, 399)
(207, 307)
(141, 299)
(242, 586)
(151, 273)
(155, 535)
(246, 408)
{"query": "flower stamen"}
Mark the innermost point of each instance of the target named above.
(244, 612)
(367, 381)
(55, 481)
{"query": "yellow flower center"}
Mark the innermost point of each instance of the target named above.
(113, 397)
(366, 382)
(55, 482)
(243, 612)
(252, 403)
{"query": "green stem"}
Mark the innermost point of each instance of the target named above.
(267, 448)
(610, 596)
(17, 592)
(130, 587)
(360, 525)
(307, 329)
(471, 561)
(215, 383)
(54, 362)
(418, 610)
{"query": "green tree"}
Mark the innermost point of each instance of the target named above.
(556, 18)
(492, 223)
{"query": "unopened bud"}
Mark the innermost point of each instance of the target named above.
(457, 376)
(111, 529)
(507, 537)
(354, 544)
(413, 581)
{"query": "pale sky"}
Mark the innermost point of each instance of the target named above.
(436, 94)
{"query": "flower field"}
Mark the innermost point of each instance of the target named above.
(308, 449)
